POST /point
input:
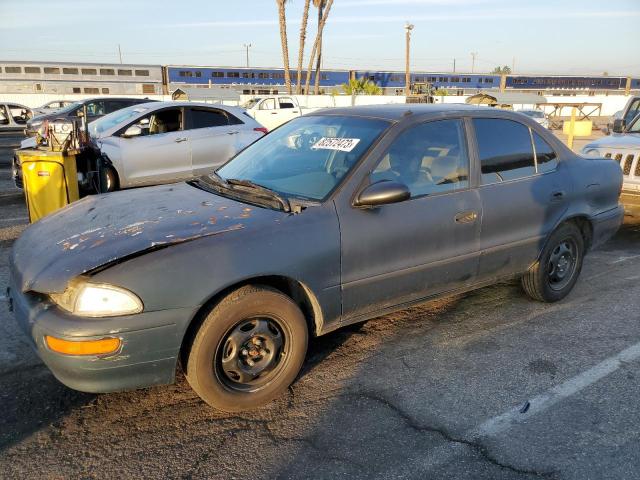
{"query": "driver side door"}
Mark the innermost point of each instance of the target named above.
(161, 153)
(402, 252)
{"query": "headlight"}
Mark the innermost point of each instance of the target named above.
(97, 300)
(591, 152)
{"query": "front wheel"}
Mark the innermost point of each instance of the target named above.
(556, 272)
(248, 350)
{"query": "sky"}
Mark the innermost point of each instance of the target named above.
(535, 36)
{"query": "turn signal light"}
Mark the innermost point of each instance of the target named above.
(83, 347)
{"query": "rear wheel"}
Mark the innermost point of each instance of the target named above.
(556, 272)
(248, 350)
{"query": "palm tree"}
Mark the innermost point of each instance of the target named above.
(303, 36)
(316, 45)
(283, 39)
(319, 4)
(361, 86)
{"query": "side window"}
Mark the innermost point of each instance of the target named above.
(286, 102)
(165, 121)
(20, 114)
(96, 108)
(505, 150)
(203, 118)
(634, 109)
(546, 158)
(429, 158)
(4, 119)
(268, 104)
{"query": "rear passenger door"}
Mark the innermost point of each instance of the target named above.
(521, 191)
(212, 138)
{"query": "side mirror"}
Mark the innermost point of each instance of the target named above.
(132, 131)
(382, 193)
(618, 125)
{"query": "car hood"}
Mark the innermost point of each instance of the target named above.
(102, 229)
(623, 140)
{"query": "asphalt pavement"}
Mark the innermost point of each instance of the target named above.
(486, 385)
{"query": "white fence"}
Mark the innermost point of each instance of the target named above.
(610, 103)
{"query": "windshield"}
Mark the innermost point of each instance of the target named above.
(111, 120)
(306, 157)
(250, 103)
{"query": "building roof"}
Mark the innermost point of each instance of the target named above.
(211, 94)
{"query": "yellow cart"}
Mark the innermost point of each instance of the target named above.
(50, 180)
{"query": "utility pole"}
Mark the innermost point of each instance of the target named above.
(473, 61)
(247, 46)
(120, 53)
(454, 65)
(407, 80)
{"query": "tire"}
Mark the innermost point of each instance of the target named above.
(111, 180)
(551, 279)
(252, 330)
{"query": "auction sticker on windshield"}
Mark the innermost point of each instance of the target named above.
(332, 143)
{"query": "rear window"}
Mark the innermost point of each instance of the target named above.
(505, 150)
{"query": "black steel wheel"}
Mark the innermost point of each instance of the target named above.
(248, 350)
(251, 354)
(553, 276)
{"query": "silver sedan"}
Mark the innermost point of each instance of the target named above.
(164, 142)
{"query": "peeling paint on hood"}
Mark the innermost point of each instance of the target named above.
(102, 229)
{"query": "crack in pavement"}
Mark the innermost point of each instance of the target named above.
(474, 444)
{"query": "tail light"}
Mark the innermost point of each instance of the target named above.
(261, 129)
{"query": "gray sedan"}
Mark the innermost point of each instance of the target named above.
(332, 219)
(164, 142)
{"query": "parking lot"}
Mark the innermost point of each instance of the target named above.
(484, 385)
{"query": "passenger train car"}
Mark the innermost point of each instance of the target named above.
(62, 78)
(70, 79)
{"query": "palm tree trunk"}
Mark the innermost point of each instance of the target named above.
(285, 47)
(316, 89)
(316, 44)
(303, 36)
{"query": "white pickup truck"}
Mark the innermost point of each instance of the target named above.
(274, 110)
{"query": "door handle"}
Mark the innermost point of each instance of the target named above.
(180, 139)
(233, 133)
(274, 113)
(556, 196)
(466, 217)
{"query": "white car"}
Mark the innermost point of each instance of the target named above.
(537, 115)
(274, 110)
(164, 142)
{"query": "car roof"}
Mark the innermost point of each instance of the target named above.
(186, 103)
(397, 111)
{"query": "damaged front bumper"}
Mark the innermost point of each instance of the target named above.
(148, 354)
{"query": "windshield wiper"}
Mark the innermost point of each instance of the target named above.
(258, 189)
